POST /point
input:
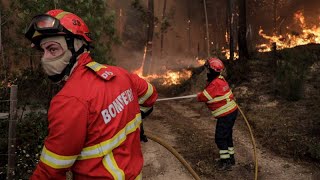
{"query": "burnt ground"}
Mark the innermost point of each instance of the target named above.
(286, 132)
(187, 127)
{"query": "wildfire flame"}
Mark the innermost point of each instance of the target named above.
(168, 78)
(227, 53)
(308, 35)
(201, 62)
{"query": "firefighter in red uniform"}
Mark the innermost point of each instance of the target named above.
(94, 120)
(218, 97)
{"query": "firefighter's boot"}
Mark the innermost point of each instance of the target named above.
(232, 159)
(224, 164)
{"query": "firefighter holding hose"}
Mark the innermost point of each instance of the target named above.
(219, 99)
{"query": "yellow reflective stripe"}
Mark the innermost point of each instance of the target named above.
(95, 66)
(111, 165)
(231, 150)
(36, 33)
(207, 95)
(224, 154)
(223, 109)
(60, 15)
(220, 98)
(223, 151)
(149, 92)
(144, 109)
(139, 177)
(107, 146)
(56, 161)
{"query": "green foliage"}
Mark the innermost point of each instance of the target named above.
(33, 87)
(145, 15)
(30, 134)
(314, 150)
(3, 147)
(236, 71)
(290, 74)
(95, 13)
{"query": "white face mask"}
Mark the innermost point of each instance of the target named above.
(51, 64)
(56, 65)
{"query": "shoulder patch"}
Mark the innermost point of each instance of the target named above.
(101, 70)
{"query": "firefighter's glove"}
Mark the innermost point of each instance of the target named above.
(142, 136)
(145, 114)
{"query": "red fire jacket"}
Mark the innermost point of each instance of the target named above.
(94, 124)
(218, 97)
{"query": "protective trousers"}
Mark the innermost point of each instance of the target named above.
(223, 134)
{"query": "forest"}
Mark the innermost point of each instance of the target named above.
(271, 52)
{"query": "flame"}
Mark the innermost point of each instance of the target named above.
(168, 78)
(174, 78)
(226, 53)
(201, 62)
(306, 36)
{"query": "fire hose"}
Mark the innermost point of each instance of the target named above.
(182, 160)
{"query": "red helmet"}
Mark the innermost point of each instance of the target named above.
(215, 64)
(57, 22)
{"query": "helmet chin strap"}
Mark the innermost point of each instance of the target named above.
(66, 71)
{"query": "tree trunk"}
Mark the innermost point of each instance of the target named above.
(207, 28)
(275, 2)
(12, 132)
(231, 28)
(162, 30)
(1, 51)
(189, 27)
(148, 60)
(242, 38)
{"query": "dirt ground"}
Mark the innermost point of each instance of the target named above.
(188, 127)
(285, 132)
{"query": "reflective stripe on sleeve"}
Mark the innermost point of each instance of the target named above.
(207, 95)
(225, 108)
(145, 109)
(56, 161)
(220, 98)
(111, 165)
(139, 177)
(107, 146)
(149, 92)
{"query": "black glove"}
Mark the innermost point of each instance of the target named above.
(145, 114)
(142, 136)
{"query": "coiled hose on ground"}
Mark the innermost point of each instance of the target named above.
(186, 164)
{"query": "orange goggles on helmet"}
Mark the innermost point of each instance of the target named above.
(44, 25)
